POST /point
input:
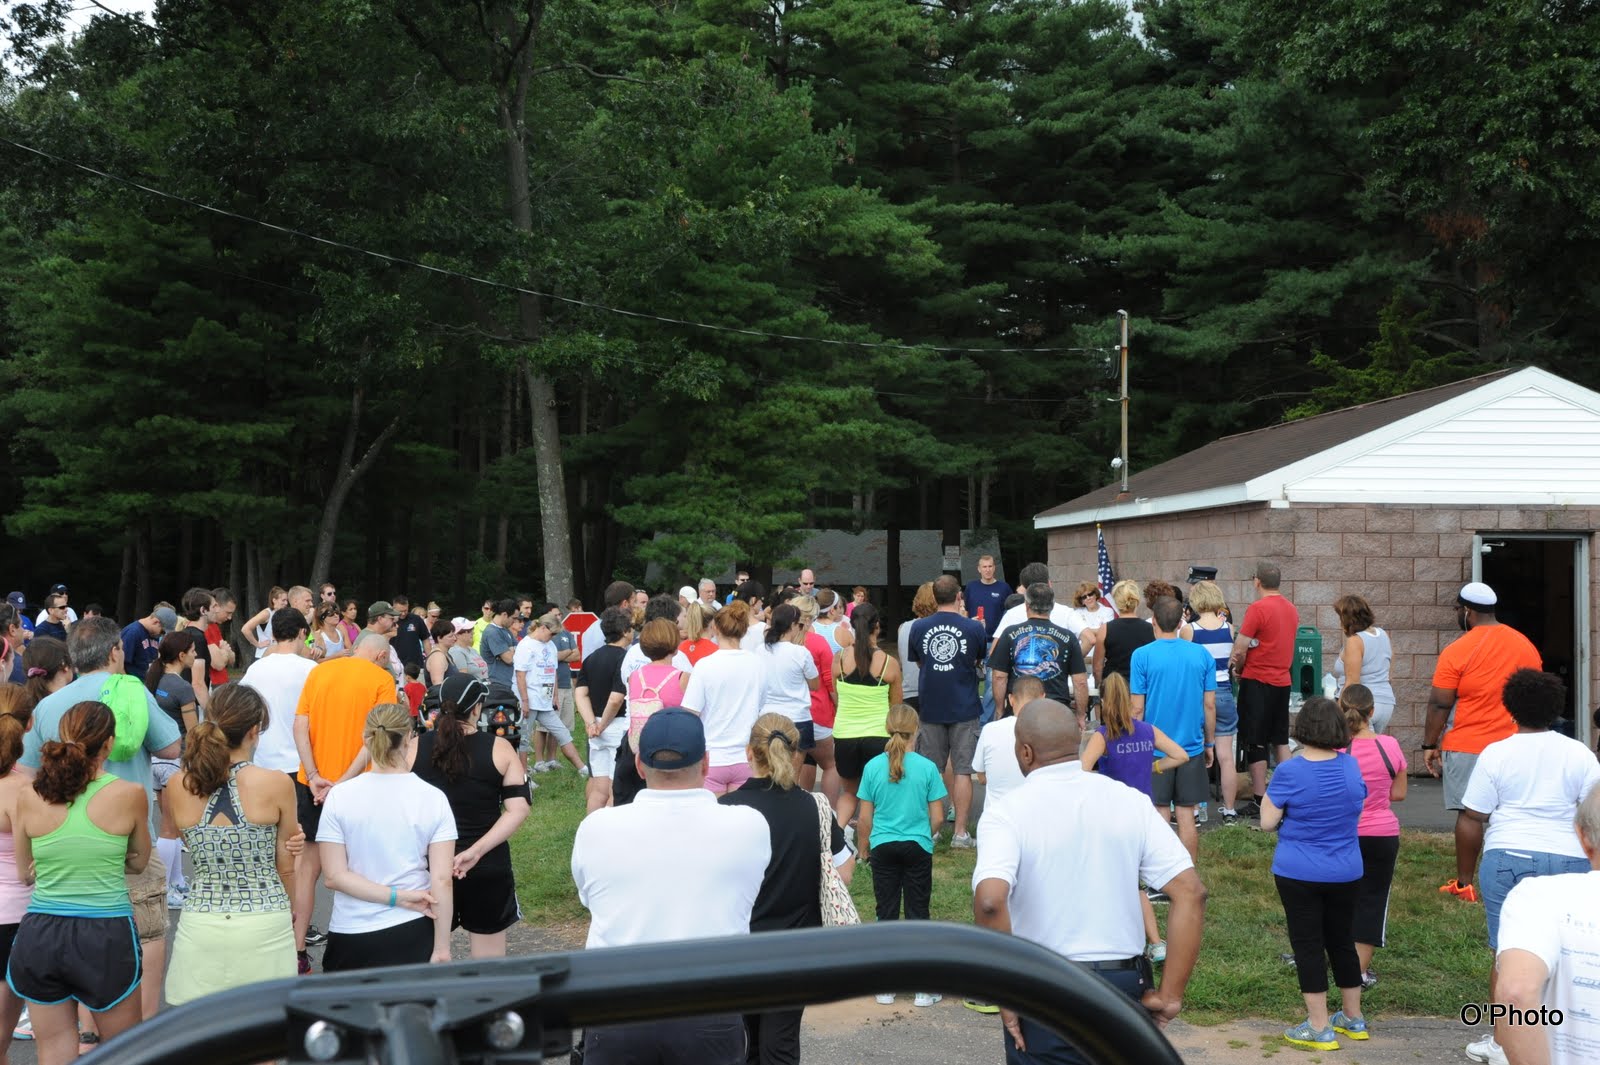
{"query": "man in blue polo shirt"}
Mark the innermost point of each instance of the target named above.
(1174, 683)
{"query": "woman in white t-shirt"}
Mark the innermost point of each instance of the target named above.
(726, 689)
(1528, 787)
(387, 840)
(790, 672)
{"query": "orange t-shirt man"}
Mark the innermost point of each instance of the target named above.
(1476, 668)
(335, 701)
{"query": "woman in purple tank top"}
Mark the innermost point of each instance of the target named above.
(1125, 749)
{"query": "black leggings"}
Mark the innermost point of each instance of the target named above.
(1378, 854)
(902, 868)
(1321, 919)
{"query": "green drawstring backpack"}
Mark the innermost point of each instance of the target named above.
(130, 705)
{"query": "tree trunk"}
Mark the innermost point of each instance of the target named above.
(185, 549)
(349, 471)
(891, 556)
(142, 594)
(125, 612)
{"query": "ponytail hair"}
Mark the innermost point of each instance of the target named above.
(171, 648)
(1356, 703)
(783, 619)
(902, 724)
(235, 709)
(1116, 706)
(12, 726)
(44, 657)
(774, 742)
(66, 766)
(863, 622)
(388, 725)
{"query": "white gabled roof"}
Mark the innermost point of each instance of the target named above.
(1515, 438)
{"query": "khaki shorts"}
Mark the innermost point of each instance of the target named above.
(566, 709)
(148, 893)
(1457, 771)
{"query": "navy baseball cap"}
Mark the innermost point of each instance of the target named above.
(58, 589)
(16, 600)
(673, 738)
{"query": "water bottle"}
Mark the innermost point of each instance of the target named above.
(1200, 813)
(1330, 686)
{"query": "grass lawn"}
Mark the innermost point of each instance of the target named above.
(1437, 959)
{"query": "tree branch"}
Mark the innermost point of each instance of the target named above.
(421, 41)
(573, 65)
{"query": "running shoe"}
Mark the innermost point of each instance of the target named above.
(1464, 892)
(315, 936)
(885, 999)
(1157, 896)
(584, 772)
(543, 767)
(1230, 816)
(1287, 957)
(1487, 1050)
(1303, 1035)
(174, 900)
(1157, 952)
(950, 816)
(926, 998)
(980, 1007)
(23, 1032)
(1369, 980)
(1351, 1027)
(963, 842)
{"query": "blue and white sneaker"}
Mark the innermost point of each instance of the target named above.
(1351, 1027)
(1303, 1035)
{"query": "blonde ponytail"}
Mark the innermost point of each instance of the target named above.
(388, 726)
(774, 741)
(902, 723)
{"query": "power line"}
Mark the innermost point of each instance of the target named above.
(506, 286)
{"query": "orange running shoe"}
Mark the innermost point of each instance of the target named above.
(1466, 893)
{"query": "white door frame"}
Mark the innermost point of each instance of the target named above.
(1582, 707)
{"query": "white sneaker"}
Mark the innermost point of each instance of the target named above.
(885, 1000)
(174, 900)
(926, 998)
(543, 767)
(1486, 1049)
(584, 772)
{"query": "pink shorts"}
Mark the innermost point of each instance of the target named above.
(721, 779)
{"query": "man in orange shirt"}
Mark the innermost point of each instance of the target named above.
(328, 727)
(1469, 678)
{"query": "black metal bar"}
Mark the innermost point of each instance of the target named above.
(741, 974)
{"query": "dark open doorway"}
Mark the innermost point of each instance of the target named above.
(1540, 583)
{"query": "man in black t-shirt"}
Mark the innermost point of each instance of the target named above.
(1039, 648)
(601, 698)
(410, 639)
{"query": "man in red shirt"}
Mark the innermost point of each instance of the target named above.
(1261, 655)
(1469, 677)
(222, 607)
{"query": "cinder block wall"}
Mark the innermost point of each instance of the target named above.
(1408, 561)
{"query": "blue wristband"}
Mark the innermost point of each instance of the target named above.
(393, 896)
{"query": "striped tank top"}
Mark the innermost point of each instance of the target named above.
(1219, 642)
(78, 868)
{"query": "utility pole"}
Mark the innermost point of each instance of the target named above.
(1123, 454)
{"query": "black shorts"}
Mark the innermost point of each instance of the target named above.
(308, 813)
(808, 734)
(407, 943)
(850, 757)
(1263, 714)
(8, 936)
(95, 960)
(1378, 854)
(486, 898)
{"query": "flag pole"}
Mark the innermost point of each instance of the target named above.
(1123, 315)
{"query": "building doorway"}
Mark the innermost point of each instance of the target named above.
(1542, 583)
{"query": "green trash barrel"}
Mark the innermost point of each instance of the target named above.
(1305, 674)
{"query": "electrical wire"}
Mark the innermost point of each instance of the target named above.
(397, 260)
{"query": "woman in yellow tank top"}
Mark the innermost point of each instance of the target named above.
(865, 687)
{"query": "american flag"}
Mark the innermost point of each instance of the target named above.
(1106, 577)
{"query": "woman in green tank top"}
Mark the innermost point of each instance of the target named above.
(81, 830)
(867, 686)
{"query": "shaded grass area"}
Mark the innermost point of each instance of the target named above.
(1436, 960)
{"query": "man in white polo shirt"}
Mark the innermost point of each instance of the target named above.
(1549, 960)
(1064, 834)
(673, 864)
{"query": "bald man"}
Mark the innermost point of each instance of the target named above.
(1060, 833)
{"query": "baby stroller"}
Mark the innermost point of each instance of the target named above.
(501, 713)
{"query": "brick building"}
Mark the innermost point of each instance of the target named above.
(1496, 478)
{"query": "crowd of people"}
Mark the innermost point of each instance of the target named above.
(779, 740)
